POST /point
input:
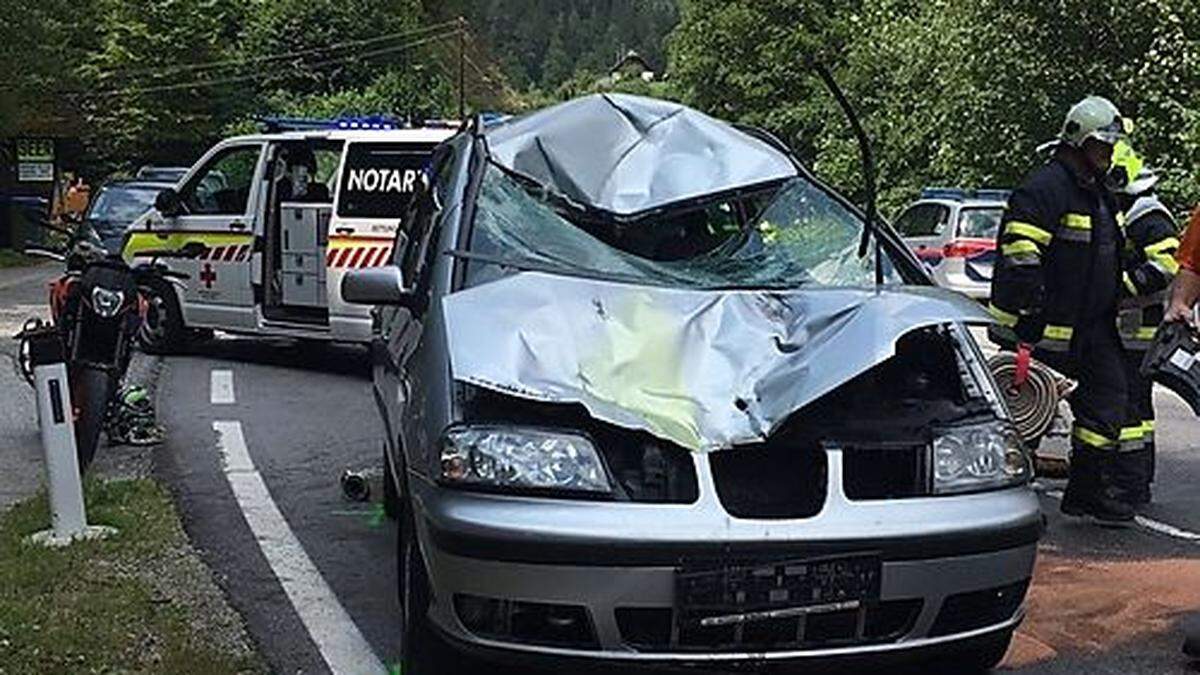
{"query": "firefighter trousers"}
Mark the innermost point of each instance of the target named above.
(1136, 448)
(1101, 407)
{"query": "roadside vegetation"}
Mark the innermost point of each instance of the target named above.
(953, 92)
(140, 602)
(11, 258)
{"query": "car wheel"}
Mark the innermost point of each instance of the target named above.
(422, 650)
(981, 655)
(391, 498)
(162, 330)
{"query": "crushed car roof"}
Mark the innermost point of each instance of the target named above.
(627, 154)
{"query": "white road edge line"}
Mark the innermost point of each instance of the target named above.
(335, 634)
(1148, 523)
(222, 388)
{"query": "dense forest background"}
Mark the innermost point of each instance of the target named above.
(954, 92)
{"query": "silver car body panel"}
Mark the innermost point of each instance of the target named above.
(602, 583)
(627, 154)
(708, 370)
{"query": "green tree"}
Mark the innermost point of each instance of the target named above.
(146, 98)
(337, 44)
(952, 92)
(556, 67)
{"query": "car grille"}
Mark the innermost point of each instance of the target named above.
(774, 480)
(979, 609)
(886, 471)
(652, 629)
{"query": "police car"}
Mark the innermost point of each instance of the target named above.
(269, 223)
(953, 231)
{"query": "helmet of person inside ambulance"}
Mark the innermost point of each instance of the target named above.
(1129, 178)
(1093, 127)
(301, 167)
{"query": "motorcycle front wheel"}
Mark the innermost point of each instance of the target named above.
(92, 391)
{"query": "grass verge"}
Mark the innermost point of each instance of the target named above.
(119, 605)
(11, 258)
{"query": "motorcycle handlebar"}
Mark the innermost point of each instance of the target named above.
(46, 253)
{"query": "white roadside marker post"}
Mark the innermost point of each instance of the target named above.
(68, 518)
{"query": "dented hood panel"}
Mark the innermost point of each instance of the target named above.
(707, 370)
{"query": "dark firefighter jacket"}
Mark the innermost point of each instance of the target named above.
(1151, 242)
(1059, 257)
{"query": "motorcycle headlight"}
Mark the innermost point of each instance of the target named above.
(522, 459)
(979, 457)
(107, 303)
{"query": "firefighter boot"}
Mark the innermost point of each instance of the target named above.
(1091, 490)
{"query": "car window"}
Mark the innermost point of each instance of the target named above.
(805, 236)
(423, 216)
(222, 187)
(982, 223)
(923, 220)
(117, 207)
(380, 178)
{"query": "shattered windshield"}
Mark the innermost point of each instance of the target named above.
(803, 236)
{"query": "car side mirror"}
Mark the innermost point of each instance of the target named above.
(167, 203)
(377, 286)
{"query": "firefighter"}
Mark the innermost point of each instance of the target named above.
(1149, 267)
(1055, 290)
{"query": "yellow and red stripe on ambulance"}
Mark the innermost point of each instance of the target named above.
(353, 252)
(218, 246)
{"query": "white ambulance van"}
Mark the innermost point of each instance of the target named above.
(269, 223)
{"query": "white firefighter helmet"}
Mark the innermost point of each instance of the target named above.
(1094, 117)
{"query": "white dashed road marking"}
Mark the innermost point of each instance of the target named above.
(222, 387)
(341, 644)
(1148, 523)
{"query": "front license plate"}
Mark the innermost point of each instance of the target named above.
(710, 596)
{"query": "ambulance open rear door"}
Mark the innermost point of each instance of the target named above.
(377, 182)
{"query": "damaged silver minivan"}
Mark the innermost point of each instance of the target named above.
(646, 404)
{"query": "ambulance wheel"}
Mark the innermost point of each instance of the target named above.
(162, 330)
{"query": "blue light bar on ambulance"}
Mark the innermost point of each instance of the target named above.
(273, 125)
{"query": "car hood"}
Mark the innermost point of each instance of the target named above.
(707, 370)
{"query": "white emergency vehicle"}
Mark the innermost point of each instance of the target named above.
(271, 222)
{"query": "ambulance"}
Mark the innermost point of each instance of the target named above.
(264, 227)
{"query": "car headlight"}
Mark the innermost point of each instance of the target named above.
(522, 459)
(978, 457)
(107, 303)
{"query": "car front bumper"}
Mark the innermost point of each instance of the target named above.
(960, 564)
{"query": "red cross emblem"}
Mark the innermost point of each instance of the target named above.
(208, 275)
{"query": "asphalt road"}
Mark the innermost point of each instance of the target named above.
(23, 294)
(1104, 601)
